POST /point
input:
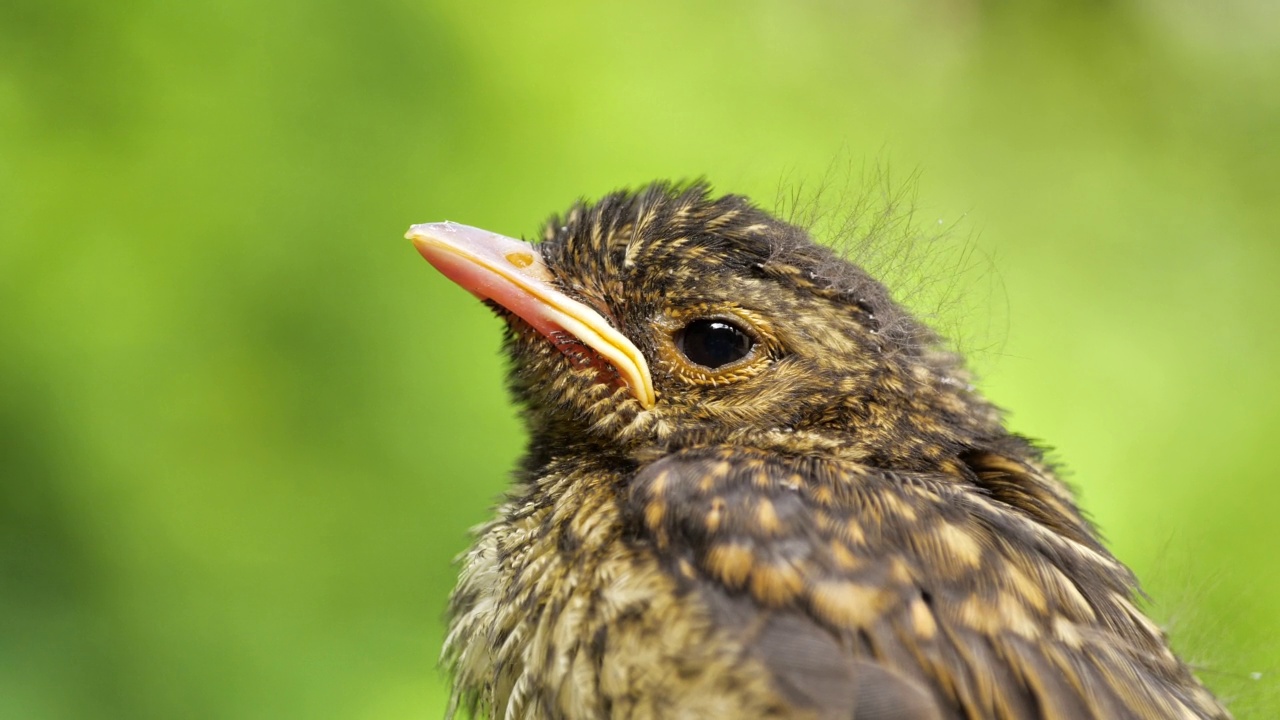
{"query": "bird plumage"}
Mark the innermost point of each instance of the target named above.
(833, 523)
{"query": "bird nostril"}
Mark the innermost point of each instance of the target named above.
(519, 259)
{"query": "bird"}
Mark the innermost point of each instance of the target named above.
(756, 486)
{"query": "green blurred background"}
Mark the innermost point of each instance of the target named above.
(244, 427)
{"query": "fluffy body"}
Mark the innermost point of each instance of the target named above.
(838, 526)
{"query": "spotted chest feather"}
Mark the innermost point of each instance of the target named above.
(557, 615)
(930, 577)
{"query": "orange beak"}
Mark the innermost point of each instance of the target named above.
(512, 274)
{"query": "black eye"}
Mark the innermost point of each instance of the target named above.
(713, 343)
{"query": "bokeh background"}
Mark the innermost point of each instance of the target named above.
(244, 427)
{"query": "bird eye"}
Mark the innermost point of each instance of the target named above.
(713, 343)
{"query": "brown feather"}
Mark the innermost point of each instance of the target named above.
(835, 525)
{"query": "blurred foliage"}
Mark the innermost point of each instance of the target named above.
(244, 428)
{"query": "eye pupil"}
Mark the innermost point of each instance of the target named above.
(714, 343)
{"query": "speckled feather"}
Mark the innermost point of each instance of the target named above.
(837, 527)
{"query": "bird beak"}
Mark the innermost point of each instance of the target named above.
(512, 274)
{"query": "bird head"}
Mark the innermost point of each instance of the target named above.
(667, 317)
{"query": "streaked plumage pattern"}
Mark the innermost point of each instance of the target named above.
(836, 526)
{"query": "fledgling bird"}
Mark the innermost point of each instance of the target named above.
(756, 487)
